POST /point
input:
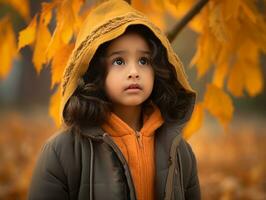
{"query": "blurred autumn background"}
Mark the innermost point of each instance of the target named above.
(222, 44)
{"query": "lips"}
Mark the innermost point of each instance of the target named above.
(133, 86)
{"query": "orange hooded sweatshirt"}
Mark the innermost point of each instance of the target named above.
(138, 149)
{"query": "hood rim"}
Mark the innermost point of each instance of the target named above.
(83, 53)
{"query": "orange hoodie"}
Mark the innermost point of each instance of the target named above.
(138, 149)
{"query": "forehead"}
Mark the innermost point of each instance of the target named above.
(127, 42)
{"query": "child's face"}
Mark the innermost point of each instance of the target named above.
(128, 63)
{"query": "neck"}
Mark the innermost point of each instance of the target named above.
(132, 116)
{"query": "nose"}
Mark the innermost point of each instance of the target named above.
(134, 76)
(133, 72)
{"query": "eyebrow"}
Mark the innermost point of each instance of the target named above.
(124, 52)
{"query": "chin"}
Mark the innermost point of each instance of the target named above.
(132, 103)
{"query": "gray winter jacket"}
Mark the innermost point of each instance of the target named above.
(90, 166)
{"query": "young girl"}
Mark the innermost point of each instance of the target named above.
(125, 99)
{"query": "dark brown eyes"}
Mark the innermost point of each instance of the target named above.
(144, 61)
(121, 61)
(118, 61)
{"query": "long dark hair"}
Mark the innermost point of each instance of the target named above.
(89, 105)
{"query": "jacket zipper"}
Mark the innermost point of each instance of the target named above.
(141, 152)
(139, 138)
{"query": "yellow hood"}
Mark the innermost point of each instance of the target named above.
(106, 22)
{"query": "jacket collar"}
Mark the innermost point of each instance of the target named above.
(152, 120)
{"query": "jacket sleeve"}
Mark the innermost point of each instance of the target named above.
(192, 188)
(48, 180)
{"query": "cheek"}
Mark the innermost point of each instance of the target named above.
(111, 84)
(150, 78)
(107, 84)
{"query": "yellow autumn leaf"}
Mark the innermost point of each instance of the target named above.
(67, 24)
(251, 69)
(58, 63)
(230, 9)
(54, 41)
(235, 83)
(158, 4)
(153, 11)
(228, 27)
(249, 9)
(257, 32)
(217, 22)
(218, 103)
(55, 106)
(76, 6)
(42, 39)
(254, 80)
(222, 66)
(8, 46)
(178, 9)
(46, 13)
(195, 122)
(205, 55)
(54, 44)
(246, 73)
(197, 23)
(27, 35)
(66, 20)
(219, 74)
(174, 2)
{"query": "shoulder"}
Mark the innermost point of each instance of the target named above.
(55, 166)
(60, 139)
(64, 143)
(186, 150)
(64, 147)
(61, 153)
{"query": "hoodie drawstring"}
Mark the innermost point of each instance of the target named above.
(91, 168)
(181, 173)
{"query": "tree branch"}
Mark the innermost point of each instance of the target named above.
(187, 18)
